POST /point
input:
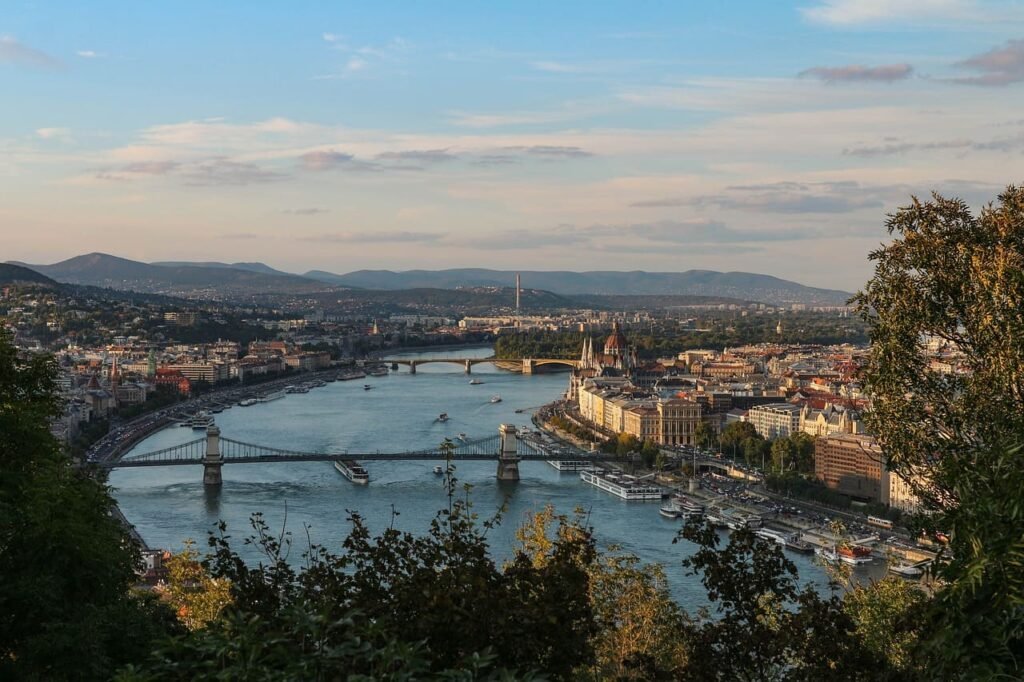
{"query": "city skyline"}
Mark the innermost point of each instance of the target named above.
(750, 138)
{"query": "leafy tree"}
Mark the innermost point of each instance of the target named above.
(438, 598)
(953, 278)
(763, 627)
(67, 566)
(703, 434)
(735, 433)
(197, 598)
(649, 453)
(639, 631)
(783, 454)
(885, 614)
(803, 451)
(754, 450)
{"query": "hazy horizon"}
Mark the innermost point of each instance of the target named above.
(753, 137)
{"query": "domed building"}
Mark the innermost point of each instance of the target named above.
(616, 360)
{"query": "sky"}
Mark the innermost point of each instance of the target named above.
(752, 135)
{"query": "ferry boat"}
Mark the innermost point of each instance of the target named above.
(475, 382)
(571, 464)
(688, 506)
(906, 570)
(438, 470)
(495, 398)
(352, 470)
(367, 387)
(200, 420)
(827, 553)
(379, 372)
(443, 417)
(276, 395)
(621, 485)
(669, 511)
(247, 402)
(855, 554)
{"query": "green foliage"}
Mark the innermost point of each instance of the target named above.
(763, 627)
(437, 598)
(952, 276)
(66, 610)
(735, 433)
(622, 445)
(571, 427)
(886, 617)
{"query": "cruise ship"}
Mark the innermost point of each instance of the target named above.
(352, 470)
(200, 420)
(276, 395)
(621, 485)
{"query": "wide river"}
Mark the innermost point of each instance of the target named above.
(169, 504)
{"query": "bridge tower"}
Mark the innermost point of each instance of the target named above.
(213, 462)
(508, 458)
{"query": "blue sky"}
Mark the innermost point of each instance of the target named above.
(760, 136)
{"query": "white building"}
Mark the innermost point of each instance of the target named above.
(775, 420)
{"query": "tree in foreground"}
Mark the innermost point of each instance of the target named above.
(956, 280)
(761, 626)
(391, 606)
(66, 566)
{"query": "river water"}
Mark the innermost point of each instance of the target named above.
(169, 504)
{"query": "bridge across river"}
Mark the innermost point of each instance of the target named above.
(213, 451)
(529, 364)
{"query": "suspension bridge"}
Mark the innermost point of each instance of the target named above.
(213, 451)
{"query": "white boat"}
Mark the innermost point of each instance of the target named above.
(438, 470)
(443, 417)
(495, 398)
(906, 570)
(571, 464)
(669, 511)
(687, 505)
(462, 436)
(352, 470)
(247, 402)
(276, 395)
(621, 485)
(475, 382)
(200, 420)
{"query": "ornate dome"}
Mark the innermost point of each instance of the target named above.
(615, 344)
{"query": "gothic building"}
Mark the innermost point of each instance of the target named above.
(616, 360)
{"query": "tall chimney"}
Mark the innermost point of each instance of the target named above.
(518, 288)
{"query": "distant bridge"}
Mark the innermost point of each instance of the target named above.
(213, 451)
(529, 364)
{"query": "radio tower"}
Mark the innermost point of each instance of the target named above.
(518, 288)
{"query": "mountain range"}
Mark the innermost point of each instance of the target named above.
(246, 279)
(740, 285)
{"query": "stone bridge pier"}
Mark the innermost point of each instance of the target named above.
(213, 462)
(528, 366)
(508, 457)
(412, 367)
(469, 366)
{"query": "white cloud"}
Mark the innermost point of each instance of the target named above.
(53, 133)
(846, 13)
(88, 54)
(355, 64)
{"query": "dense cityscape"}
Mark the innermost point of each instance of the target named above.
(512, 341)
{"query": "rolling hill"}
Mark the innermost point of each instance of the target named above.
(735, 285)
(103, 270)
(19, 274)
